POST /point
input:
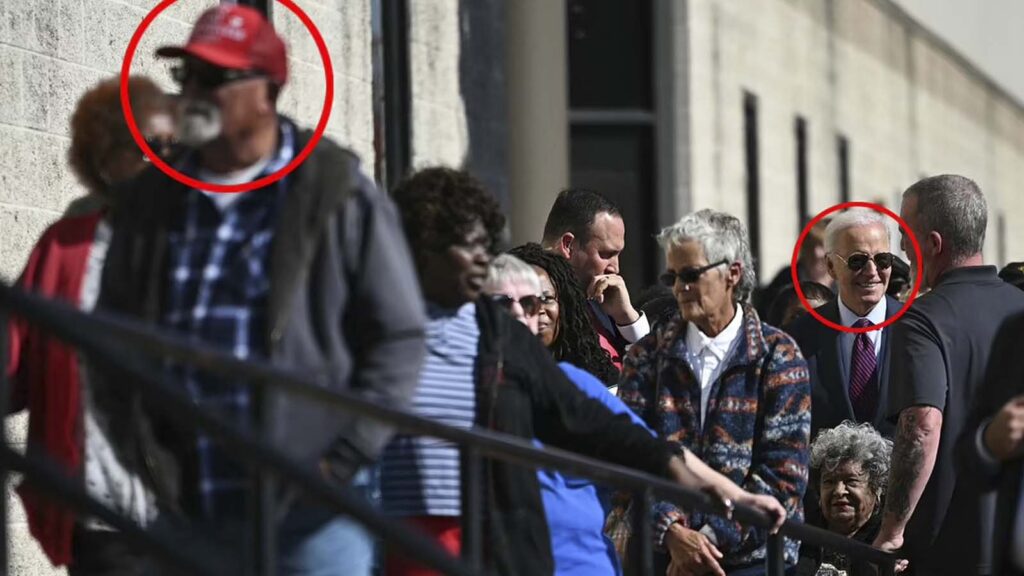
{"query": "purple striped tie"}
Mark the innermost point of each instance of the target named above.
(863, 375)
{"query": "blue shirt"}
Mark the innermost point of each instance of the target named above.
(575, 507)
(217, 289)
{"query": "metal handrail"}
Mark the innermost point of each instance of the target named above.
(81, 330)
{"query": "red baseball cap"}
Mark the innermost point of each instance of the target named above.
(235, 37)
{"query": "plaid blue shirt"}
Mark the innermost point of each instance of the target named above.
(218, 285)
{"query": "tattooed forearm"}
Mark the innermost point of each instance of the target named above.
(913, 457)
(907, 460)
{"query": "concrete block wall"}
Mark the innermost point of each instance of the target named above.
(439, 131)
(51, 51)
(907, 104)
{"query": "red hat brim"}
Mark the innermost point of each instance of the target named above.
(210, 53)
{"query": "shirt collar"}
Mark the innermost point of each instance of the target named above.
(697, 341)
(876, 315)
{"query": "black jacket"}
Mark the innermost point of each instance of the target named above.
(830, 398)
(1001, 482)
(522, 391)
(344, 309)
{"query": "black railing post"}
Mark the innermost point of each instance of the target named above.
(646, 547)
(264, 526)
(775, 556)
(472, 507)
(5, 391)
(641, 542)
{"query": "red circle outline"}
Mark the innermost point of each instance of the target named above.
(225, 188)
(803, 237)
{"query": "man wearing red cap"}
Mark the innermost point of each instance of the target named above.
(311, 272)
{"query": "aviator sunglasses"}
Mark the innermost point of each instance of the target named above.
(531, 304)
(688, 275)
(858, 260)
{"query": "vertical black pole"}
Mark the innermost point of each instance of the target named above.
(265, 6)
(775, 559)
(5, 391)
(753, 168)
(642, 539)
(397, 91)
(472, 507)
(264, 509)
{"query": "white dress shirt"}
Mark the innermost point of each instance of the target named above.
(707, 355)
(848, 318)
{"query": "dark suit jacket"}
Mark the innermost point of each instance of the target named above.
(1004, 379)
(830, 399)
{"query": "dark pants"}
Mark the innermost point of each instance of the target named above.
(103, 553)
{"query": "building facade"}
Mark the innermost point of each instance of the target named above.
(773, 110)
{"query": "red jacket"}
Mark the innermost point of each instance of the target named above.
(45, 379)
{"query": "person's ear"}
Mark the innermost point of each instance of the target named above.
(565, 244)
(934, 242)
(830, 265)
(734, 274)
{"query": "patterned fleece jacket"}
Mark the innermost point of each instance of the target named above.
(757, 430)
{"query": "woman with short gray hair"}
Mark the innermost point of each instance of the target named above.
(851, 463)
(722, 237)
(727, 386)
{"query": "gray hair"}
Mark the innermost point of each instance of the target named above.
(853, 218)
(506, 269)
(954, 207)
(722, 237)
(850, 442)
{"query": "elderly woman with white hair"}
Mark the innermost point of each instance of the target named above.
(851, 465)
(729, 387)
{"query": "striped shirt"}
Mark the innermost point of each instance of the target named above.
(420, 475)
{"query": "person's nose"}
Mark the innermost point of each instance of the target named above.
(518, 312)
(481, 255)
(871, 269)
(840, 489)
(613, 265)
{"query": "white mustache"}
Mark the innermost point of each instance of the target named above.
(199, 122)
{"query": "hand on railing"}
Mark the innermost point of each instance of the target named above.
(691, 472)
(691, 552)
(892, 543)
(770, 505)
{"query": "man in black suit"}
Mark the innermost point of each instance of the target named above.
(991, 448)
(850, 372)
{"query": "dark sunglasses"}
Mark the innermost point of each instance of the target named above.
(858, 260)
(210, 77)
(689, 275)
(531, 304)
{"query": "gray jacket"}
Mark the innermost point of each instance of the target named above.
(344, 309)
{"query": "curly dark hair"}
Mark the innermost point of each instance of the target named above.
(577, 341)
(98, 129)
(439, 206)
